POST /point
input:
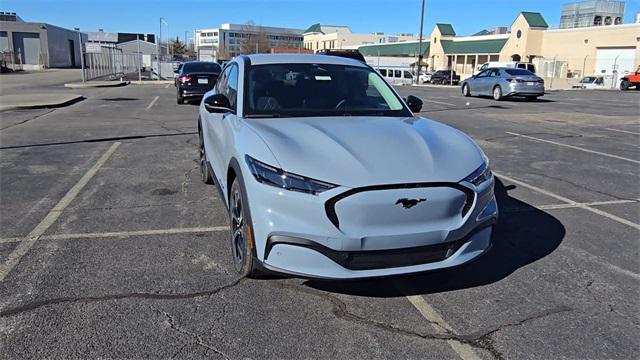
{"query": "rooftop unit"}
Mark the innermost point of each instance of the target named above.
(592, 13)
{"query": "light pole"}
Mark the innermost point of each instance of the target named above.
(420, 44)
(162, 20)
(81, 55)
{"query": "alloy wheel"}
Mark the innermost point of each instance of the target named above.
(238, 238)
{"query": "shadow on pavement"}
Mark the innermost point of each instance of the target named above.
(523, 235)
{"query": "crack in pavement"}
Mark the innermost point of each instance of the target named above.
(27, 120)
(92, 299)
(197, 339)
(187, 178)
(480, 340)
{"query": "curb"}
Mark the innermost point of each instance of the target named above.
(152, 82)
(69, 100)
(95, 84)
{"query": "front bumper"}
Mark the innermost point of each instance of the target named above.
(294, 233)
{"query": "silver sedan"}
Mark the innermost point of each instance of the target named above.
(504, 82)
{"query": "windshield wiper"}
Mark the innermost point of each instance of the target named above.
(257, 116)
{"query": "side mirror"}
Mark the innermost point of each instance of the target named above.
(217, 103)
(414, 103)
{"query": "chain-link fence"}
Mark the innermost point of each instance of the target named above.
(564, 72)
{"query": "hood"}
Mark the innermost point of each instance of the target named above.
(361, 151)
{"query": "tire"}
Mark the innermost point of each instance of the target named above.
(180, 98)
(205, 172)
(497, 93)
(465, 90)
(624, 85)
(241, 234)
(531, 98)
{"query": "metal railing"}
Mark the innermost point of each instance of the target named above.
(110, 63)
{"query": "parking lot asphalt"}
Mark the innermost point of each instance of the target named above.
(110, 246)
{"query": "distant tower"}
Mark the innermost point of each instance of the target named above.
(592, 13)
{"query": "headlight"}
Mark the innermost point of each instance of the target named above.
(270, 175)
(479, 175)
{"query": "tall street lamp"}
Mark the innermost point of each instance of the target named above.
(420, 44)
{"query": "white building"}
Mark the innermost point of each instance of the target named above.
(226, 39)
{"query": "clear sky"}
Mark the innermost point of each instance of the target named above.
(366, 16)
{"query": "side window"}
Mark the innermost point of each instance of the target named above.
(383, 72)
(397, 73)
(484, 67)
(232, 86)
(483, 74)
(407, 75)
(494, 73)
(221, 84)
(599, 81)
(521, 66)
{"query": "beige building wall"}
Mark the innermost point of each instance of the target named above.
(578, 47)
(527, 45)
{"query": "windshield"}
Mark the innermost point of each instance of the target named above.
(518, 72)
(205, 67)
(292, 90)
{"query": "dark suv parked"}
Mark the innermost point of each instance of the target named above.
(195, 78)
(444, 77)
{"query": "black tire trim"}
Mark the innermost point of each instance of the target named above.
(233, 164)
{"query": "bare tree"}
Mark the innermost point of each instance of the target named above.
(222, 53)
(254, 40)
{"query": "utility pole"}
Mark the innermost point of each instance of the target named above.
(139, 62)
(420, 44)
(81, 55)
(160, 52)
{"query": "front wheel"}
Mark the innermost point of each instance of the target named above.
(241, 234)
(205, 174)
(465, 90)
(497, 93)
(624, 85)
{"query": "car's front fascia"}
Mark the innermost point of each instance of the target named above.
(294, 232)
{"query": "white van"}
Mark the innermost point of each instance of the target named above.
(396, 75)
(513, 64)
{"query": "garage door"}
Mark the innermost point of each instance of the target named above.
(609, 59)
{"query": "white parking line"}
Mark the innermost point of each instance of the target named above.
(578, 205)
(442, 327)
(23, 247)
(570, 202)
(122, 234)
(152, 102)
(623, 131)
(166, 87)
(574, 147)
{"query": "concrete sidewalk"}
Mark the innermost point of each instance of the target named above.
(37, 101)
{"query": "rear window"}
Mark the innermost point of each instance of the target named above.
(205, 67)
(518, 72)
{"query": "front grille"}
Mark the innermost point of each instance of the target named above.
(330, 205)
(381, 259)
